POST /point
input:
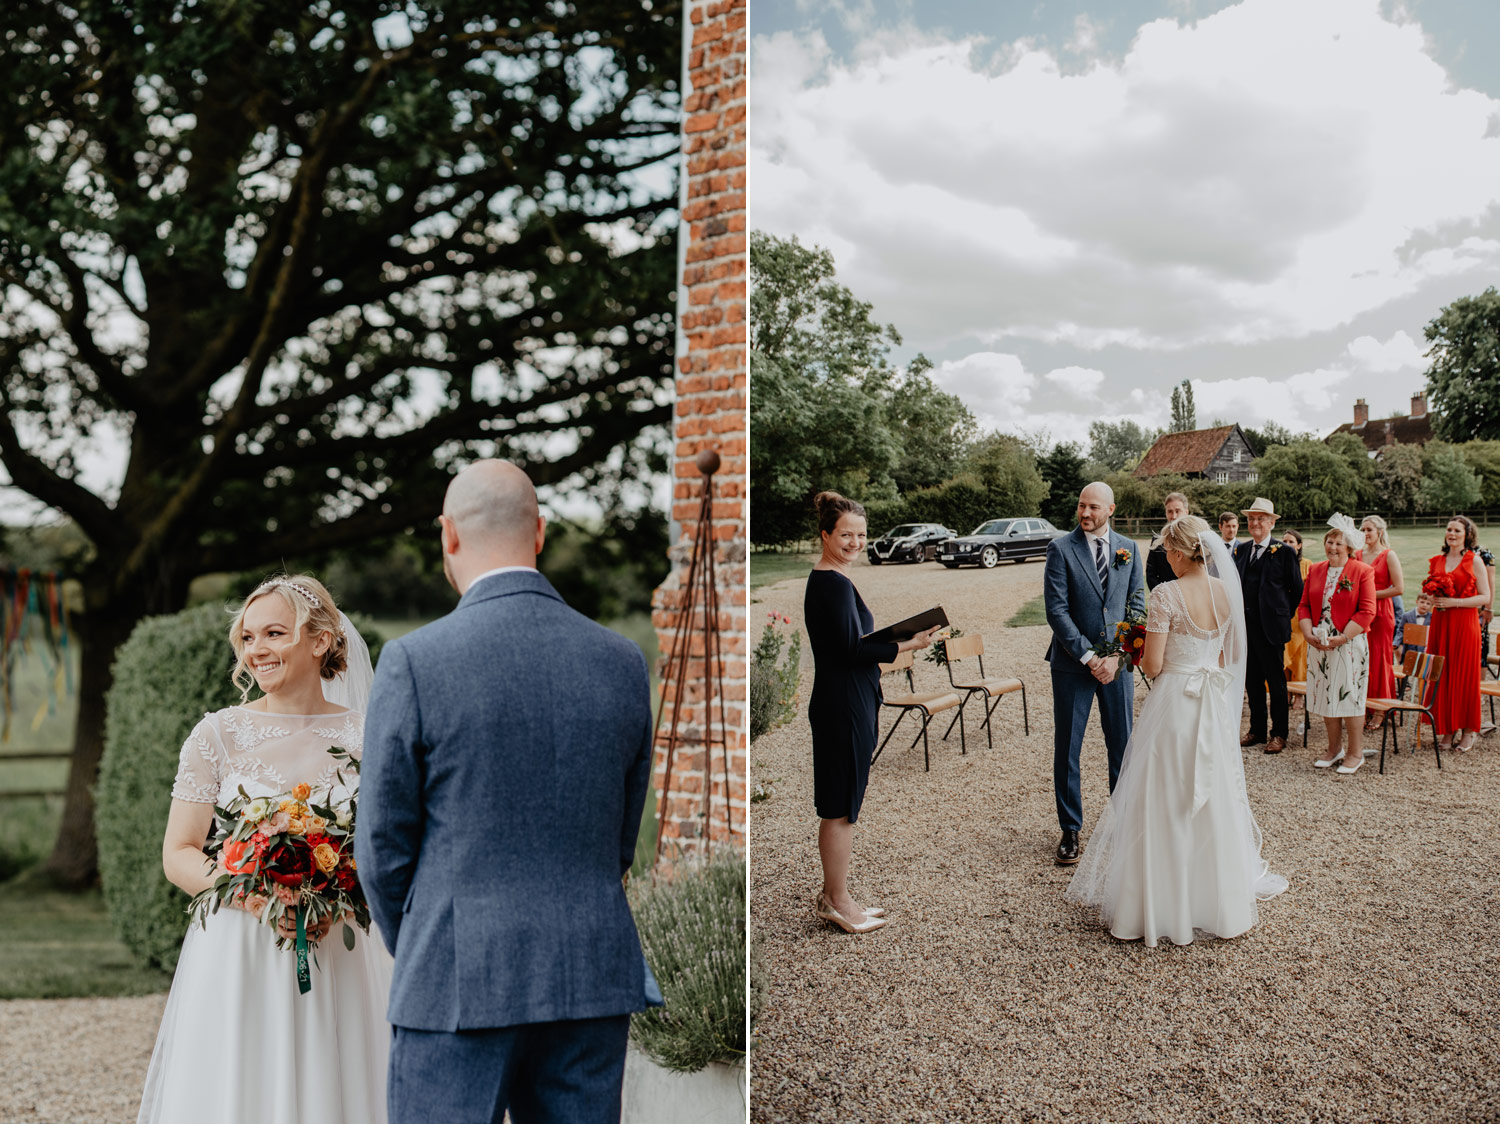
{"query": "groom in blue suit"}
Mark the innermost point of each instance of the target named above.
(1093, 577)
(506, 759)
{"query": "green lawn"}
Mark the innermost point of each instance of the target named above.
(1032, 613)
(767, 566)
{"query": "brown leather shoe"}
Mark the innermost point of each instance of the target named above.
(1251, 739)
(1276, 744)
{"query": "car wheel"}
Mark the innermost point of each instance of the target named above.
(989, 558)
(874, 561)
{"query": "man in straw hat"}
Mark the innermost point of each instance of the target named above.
(1272, 584)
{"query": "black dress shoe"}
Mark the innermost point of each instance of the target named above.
(1067, 849)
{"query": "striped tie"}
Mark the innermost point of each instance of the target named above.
(1099, 564)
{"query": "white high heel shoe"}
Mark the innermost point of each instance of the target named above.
(1328, 762)
(824, 910)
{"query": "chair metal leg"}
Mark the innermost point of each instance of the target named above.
(956, 717)
(963, 740)
(1025, 715)
(899, 718)
(926, 755)
(1437, 750)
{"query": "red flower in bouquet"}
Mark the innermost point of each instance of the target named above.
(1439, 585)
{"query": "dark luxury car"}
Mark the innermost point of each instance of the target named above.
(998, 540)
(910, 542)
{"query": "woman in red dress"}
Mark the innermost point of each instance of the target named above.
(1378, 555)
(1455, 633)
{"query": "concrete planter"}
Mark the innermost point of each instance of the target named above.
(653, 1095)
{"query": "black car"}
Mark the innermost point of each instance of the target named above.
(998, 540)
(910, 542)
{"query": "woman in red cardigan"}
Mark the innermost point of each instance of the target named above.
(1455, 631)
(1338, 606)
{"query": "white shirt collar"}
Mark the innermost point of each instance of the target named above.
(1102, 537)
(501, 570)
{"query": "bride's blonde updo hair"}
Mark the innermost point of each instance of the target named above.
(1182, 534)
(312, 607)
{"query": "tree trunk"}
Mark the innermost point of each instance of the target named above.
(74, 862)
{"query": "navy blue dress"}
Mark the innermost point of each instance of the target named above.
(845, 707)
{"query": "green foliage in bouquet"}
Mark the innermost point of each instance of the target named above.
(938, 652)
(693, 932)
(172, 671)
(773, 684)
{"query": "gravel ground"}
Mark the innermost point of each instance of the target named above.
(1367, 992)
(75, 1061)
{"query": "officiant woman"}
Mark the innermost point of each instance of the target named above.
(845, 705)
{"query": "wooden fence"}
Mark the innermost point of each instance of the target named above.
(7, 793)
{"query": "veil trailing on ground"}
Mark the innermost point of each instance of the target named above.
(351, 687)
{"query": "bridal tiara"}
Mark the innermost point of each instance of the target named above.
(312, 598)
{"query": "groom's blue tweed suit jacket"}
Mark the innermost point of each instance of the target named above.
(506, 760)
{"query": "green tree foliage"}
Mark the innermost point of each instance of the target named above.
(1448, 483)
(1184, 414)
(960, 504)
(1272, 433)
(1062, 469)
(931, 428)
(1463, 379)
(828, 410)
(1310, 479)
(171, 671)
(1484, 458)
(308, 273)
(1398, 479)
(1119, 445)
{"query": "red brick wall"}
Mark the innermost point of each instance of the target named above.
(711, 404)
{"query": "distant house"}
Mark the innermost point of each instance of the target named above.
(1220, 454)
(1414, 428)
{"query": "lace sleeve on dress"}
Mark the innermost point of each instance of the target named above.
(198, 766)
(1159, 611)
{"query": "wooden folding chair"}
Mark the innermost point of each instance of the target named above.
(1424, 671)
(924, 703)
(961, 648)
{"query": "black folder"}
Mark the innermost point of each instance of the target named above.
(905, 630)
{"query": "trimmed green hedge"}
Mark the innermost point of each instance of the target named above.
(693, 931)
(171, 671)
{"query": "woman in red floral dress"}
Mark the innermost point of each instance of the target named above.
(1458, 586)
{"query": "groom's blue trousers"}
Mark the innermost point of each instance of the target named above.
(567, 1072)
(1073, 697)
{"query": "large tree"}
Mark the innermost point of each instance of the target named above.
(1463, 379)
(301, 269)
(1184, 413)
(1119, 445)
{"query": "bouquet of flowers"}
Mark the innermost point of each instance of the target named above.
(297, 854)
(1439, 585)
(1128, 642)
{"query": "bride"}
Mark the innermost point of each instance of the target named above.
(237, 1040)
(1176, 851)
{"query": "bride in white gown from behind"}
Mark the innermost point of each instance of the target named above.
(238, 1042)
(1177, 850)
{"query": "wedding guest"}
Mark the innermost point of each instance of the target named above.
(1340, 597)
(1272, 586)
(1295, 660)
(1158, 569)
(1486, 612)
(1378, 555)
(1421, 615)
(1454, 634)
(845, 705)
(1229, 527)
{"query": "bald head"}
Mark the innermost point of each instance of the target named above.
(490, 519)
(1096, 503)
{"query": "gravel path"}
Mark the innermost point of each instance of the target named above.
(76, 1061)
(1367, 992)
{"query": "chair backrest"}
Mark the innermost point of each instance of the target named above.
(902, 662)
(1414, 635)
(962, 647)
(1428, 670)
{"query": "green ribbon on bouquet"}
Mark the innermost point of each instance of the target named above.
(304, 976)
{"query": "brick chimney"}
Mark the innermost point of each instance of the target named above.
(1390, 433)
(1419, 404)
(1361, 412)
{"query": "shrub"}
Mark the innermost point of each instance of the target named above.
(773, 685)
(171, 671)
(693, 932)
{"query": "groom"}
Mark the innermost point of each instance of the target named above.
(507, 754)
(1092, 577)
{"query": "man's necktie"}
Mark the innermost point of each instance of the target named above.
(1099, 563)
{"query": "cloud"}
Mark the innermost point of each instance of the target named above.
(1399, 353)
(1079, 381)
(1173, 197)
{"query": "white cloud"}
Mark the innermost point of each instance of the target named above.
(1399, 353)
(1082, 382)
(1273, 170)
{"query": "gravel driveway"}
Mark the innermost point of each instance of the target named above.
(1369, 991)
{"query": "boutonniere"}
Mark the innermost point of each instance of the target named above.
(1122, 558)
(1274, 548)
(1345, 583)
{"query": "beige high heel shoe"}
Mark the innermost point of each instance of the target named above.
(833, 916)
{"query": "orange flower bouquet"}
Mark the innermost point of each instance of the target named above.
(1129, 641)
(296, 853)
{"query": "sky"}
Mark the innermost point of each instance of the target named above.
(1072, 207)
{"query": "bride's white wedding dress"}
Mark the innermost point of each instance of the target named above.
(238, 1042)
(1177, 849)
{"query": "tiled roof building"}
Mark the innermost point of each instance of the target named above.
(1414, 428)
(1221, 454)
